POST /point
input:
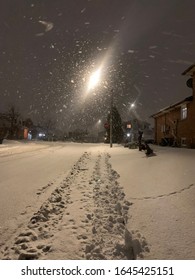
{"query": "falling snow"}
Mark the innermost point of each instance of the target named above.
(60, 48)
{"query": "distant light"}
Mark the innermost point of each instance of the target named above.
(99, 121)
(41, 134)
(132, 105)
(128, 134)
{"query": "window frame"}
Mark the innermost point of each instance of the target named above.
(184, 112)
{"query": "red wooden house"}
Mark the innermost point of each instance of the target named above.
(175, 125)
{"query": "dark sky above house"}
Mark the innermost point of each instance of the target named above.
(50, 48)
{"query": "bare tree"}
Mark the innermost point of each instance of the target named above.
(28, 123)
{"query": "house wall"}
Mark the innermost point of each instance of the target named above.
(167, 125)
(170, 125)
(186, 128)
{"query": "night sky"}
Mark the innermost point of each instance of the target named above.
(49, 49)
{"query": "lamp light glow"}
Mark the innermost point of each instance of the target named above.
(94, 79)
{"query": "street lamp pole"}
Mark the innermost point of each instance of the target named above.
(111, 117)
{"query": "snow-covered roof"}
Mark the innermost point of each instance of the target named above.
(173, 106)
(190, 70)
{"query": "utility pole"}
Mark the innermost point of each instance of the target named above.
(111, 116)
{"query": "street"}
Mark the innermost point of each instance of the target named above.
(60, 200)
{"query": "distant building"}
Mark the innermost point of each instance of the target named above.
(175, 125)
(19, 130)
(133, 126)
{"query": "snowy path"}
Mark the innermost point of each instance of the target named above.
(87, 201)
(83, 218)
(25, 169)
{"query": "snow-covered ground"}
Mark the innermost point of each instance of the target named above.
(162, 190)
(87, 201)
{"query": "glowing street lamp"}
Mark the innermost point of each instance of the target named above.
(99, 126)
(94, 79)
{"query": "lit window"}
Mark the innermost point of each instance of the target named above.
(184, 112)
